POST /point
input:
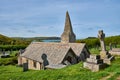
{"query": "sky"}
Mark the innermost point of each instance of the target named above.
(36, 18)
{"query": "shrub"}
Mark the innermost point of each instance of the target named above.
(8, 61)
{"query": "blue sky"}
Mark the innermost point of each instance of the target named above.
(33, 18)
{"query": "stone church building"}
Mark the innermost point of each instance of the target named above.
(41, 55)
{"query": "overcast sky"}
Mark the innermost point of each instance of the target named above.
(33, 18)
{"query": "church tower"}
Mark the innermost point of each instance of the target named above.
(68, 35)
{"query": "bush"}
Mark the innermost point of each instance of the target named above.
(94, 42)
(12, 47)
(90, 42)
(8, 61)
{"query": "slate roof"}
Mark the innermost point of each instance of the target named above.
(55, 51)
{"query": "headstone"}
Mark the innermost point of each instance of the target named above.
(94, 63)
(115, 44)
(4, 54)
(115, 51)
(25, 67)
(110, 46)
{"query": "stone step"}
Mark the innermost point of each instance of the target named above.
(95, 56)
(97, 61)
(94, 67)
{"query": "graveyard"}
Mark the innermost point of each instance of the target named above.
(38, 41)
(76, 72)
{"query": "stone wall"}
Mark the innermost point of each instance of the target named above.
(32, 64)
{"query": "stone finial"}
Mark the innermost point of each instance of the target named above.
(68, 34)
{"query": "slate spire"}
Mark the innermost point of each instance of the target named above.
(68, 35)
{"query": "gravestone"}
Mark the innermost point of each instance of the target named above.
(105, 55)
(115, 51)
(94, 63)
(25, 67)
(110, 45)
(4, 55)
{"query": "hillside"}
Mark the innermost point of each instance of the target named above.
(36, 38)
(7, 43)
(90, 41)
(94, 42)
(4, 40)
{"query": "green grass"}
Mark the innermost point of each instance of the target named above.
(10, 60)
(94, 51)
(74, 72)
(97, 50)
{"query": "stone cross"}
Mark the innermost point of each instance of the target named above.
(101, 37)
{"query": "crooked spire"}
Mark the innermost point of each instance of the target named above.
(68, 35)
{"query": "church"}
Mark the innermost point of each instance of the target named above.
(52, 55)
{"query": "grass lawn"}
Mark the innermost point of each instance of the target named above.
(74, 72)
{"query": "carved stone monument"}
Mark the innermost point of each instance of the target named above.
(104, 53)
(101, 37)
(94, 63)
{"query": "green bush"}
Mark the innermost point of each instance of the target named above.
(12, 47)
(90, 42)
(8, 61)
(94, 42)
